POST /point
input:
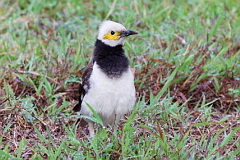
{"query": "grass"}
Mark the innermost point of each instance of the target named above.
(187, 77)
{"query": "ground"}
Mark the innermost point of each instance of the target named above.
(187, 76)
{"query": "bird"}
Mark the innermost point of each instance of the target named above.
(108, 81)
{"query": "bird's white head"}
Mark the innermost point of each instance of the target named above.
(113, 34)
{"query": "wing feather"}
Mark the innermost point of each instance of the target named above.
(84, 86)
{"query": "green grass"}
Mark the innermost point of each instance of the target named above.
(186, 56)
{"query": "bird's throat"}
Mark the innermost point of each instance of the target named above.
(111, 60)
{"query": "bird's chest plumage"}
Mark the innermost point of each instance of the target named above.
(109, 95)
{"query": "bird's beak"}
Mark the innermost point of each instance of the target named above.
(127, 33)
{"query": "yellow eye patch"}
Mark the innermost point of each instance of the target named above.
(110, 36)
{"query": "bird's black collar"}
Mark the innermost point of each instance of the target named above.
(101, 46)
(111, 60)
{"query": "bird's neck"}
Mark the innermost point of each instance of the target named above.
(111, 60)
(104, 49)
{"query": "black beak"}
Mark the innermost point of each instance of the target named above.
(128, 33)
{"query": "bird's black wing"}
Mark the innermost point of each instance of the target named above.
(83, 88)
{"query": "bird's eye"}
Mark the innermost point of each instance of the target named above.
(112, 32)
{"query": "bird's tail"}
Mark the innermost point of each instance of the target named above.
(77, 107)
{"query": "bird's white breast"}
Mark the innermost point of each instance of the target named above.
(109, 96)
